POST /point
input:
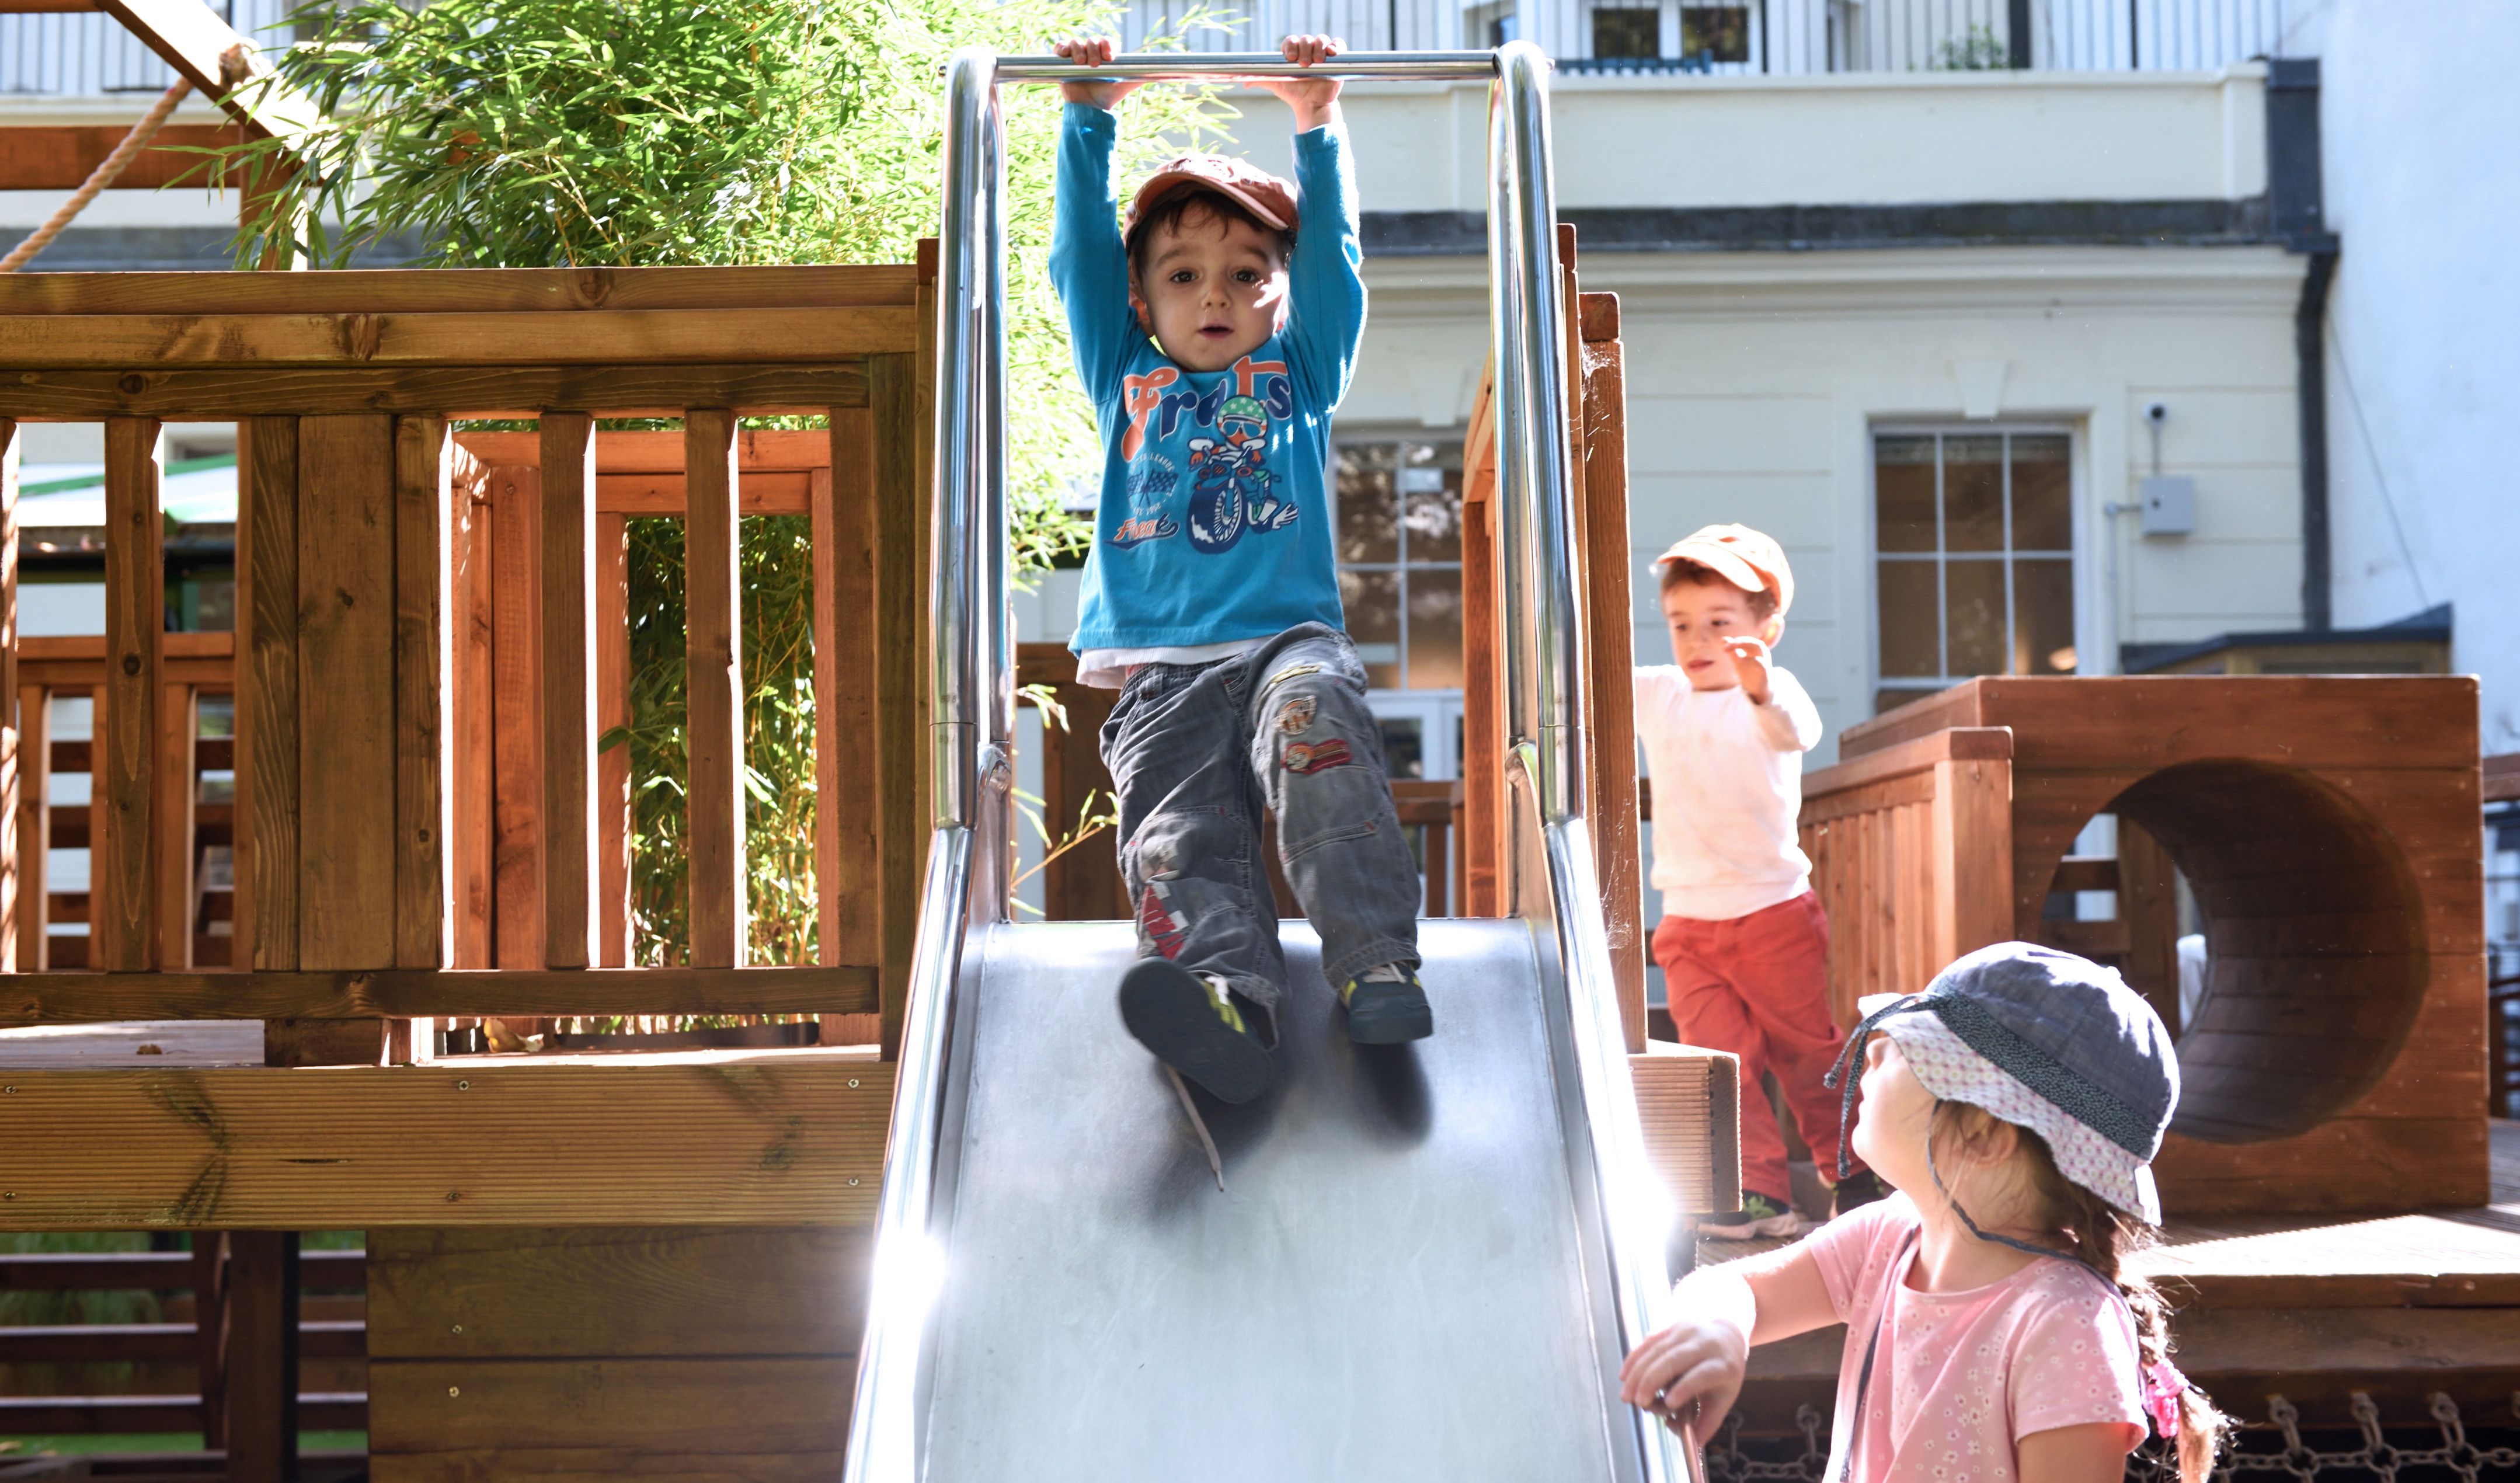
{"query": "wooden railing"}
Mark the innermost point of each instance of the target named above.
(1912, 853)
(430, 635)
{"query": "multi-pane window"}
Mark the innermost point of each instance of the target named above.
(1974, 539)
(1400, 561)
(1627, 35)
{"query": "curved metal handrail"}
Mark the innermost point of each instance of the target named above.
(971, 686)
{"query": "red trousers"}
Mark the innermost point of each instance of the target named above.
(1758, 986)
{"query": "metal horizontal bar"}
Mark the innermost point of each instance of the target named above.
(1411, 67)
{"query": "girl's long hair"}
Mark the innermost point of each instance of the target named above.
(2085, 1226)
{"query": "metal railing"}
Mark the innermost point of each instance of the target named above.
(1759, 36)
(973, 676)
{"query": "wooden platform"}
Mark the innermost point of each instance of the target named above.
(2310, 1308)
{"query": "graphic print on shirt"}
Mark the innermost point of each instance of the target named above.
(1232, 490)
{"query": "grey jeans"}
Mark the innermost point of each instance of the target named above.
(1196, 751)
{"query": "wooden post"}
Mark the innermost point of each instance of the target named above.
(266, 704)
(34, 914)
(122, 914)
(178, 789)
(901, 638)
(567, 688)
(1613, 653)
(2149, 900)
(713, 677)
(472, 781)
(345, 706)
(210, 1333)
(261, 1368)
(612, 763)
(422, 663)
(12, 731)
(515, 602)
(1483, 709)
(848, 761)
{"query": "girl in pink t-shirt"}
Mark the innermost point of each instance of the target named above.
(1990, 1335)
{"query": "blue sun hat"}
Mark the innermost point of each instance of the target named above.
(2047, 1041)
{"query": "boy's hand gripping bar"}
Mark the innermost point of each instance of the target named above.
(1188, 66)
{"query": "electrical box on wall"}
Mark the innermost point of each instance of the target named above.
(2169, 505)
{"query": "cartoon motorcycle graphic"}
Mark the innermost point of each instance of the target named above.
(1232, 490)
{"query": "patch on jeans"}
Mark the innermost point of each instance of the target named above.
(1309, 757)
(1294, 672)
(1167, 928)
(1298, 713)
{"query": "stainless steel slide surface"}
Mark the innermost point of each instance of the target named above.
(1394, 1284)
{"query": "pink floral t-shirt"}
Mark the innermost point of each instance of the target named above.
(1962, 1378)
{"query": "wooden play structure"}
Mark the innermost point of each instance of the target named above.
(2326, 834)
(576, 1265)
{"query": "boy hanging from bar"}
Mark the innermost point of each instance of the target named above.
(1216, 330)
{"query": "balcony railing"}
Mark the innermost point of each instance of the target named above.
(1767, 36)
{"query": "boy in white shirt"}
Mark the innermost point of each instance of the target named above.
(1743, 944)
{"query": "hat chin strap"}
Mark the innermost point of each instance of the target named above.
(1839, 1081)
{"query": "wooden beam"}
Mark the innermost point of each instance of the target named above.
(191, 37)
(423, 668)
(713, 677)
(1484, 812)
(900, 678)
(266, 706)
(515, 291)
(59, 157)
(259, 1369)
(33, 825)
(646, 337)
(613, 817)
(765, 1139)
(345, 698)
(14, 755)
(471, 783)
(124, 920)
(178, 791)
(567, 688)
(404, 993)
(1611, 652)
(629, 389)
(517, 706)
(757, 450)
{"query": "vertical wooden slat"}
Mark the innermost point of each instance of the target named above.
(177, 788)
(516, 599)
(471, 783)
(423, 665)
(569, 688)
(13, 732)
(1483, 712)
(1613, 653)
(266, 707)
(2149, 900)
(713, 670)
(34, 913)
(900, 677)
(848, 766)
(263, 1356)
(122, 916)
(612, 763)
(210, 1333)
(345, 693)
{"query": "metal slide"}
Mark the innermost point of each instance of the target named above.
(1428, 1259)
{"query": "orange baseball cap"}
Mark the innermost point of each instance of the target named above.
(1246, 185)
(1745, 557)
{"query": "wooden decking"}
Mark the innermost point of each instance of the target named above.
(2310, 1308)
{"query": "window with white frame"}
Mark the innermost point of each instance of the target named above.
(1973, 541)
(1400, 580)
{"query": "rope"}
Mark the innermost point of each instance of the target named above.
(102, 176)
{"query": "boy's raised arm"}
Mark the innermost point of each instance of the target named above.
(1087, 264)
(1326, 289)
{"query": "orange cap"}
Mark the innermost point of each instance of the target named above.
(1246, 185)
(1745, 557)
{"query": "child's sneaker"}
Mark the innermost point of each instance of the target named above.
(1761, 1216)
(1191, 1025)
(1385, 1006)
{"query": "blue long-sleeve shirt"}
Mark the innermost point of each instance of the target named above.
(1214, 523)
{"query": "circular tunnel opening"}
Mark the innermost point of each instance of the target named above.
(2314, 960)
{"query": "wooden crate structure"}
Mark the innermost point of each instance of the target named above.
(429, 642)
(2326, 830)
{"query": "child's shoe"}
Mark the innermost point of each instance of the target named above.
(1761, 1216)
(1385, 1006)
(1191, 1025)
